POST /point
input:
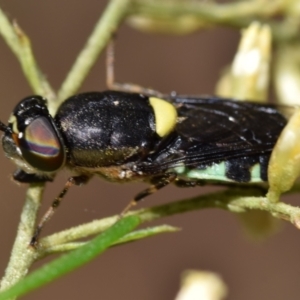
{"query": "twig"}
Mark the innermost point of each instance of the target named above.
(234, 200)
(229, 14)
(104, 29)
(20, 45)
(238, 14)
(22, 256)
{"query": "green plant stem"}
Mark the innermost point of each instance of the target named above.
(22, 256)
(234, 200)
(230, 13)
(103, 32)
(73, 260)
(20, 45)
(238, 14)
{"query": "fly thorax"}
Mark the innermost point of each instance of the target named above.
(113, 128)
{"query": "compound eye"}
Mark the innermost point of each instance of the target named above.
(40, 146)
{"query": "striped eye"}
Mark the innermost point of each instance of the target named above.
(41, 146)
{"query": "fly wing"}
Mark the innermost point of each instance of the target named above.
(213, 129)
(227, 123)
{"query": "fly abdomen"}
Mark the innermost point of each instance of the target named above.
(251, 169)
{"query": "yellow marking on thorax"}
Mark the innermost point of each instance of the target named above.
(165, 116)
(13, 120)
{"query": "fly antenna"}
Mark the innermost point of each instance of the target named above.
(4, 127)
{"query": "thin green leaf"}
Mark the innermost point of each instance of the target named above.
(130, 237)
(145, 233)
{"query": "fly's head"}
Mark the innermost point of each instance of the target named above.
(31, 138)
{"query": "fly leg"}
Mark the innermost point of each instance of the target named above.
(76, 180)
(123, 87)
(157, 184)
(21, 176)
